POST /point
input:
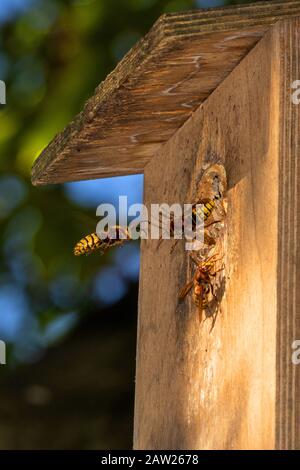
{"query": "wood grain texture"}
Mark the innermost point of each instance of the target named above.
(233, 387)
(154, 90)
(288, 374)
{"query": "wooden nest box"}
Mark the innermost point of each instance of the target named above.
(203, 86)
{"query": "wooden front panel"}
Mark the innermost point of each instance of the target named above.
(288, 331)
(197, 388)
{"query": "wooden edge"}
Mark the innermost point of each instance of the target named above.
(75, 149)
(103, 92)
(288, 330)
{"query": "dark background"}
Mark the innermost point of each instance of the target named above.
(69, 323)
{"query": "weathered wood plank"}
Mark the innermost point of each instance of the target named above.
(288, 374)
(155, 89)
(233, 387)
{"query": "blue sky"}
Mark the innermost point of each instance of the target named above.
(10, 8)
(89, 194)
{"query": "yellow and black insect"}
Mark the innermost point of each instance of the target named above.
(204, 207)
(200, 296)
(92, 242)
(202, 282)
(117, 235)
(202, 210)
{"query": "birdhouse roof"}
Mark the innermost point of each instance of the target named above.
(155, 88)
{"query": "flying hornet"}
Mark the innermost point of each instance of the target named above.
(90, 243)
(117, 235)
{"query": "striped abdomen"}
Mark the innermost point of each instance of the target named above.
(200, 295)
(203, 211)
(92, 242)
(87, 244)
